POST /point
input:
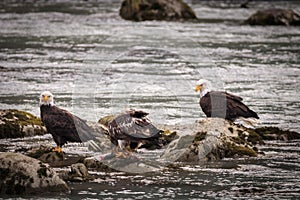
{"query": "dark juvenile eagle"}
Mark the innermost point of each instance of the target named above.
(133, 128)
(222, 104)
(61, 124)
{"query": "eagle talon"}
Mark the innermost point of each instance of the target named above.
(58, 149)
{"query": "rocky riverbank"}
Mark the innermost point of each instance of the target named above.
(32, 166)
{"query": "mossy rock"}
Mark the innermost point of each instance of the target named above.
(16, 123)
(106, 120)
(275, 133)
(234, 150)
(213, 139)
(250, 136)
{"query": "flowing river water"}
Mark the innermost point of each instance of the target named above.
(97, 64)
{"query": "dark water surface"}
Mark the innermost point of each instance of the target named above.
(97, 64)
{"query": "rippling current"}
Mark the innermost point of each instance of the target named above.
(97, 64)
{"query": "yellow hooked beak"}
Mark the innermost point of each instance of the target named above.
(45, 98)
(198, 87)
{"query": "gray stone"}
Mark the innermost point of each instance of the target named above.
(210, 139)
(21, 174)
(170, 10)
(285, 17)
(78, 173)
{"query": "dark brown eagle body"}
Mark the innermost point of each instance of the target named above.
(225, 105)
(63, 126)
(133, 127)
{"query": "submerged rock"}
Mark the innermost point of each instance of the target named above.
(131, 164)
(274, 133)
(170, 10)
(20, 174)
(16, 123)
(274, 17)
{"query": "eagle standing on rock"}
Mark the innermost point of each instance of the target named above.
(222, 104)
(61, 124)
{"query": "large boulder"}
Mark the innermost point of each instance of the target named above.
(170, 10)
(16, 123)
(20, 174)
(213, 139)
(274, 17)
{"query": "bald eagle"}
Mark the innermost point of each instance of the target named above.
(133, 128)
(222, 104)
(61, 124)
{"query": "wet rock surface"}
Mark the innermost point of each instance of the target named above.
(209, 139)
(274, 133)
(45, 154)
(285, 17)
(17, 123)
(78, 173)
(169, 10)
(21, 174)
(213, 139)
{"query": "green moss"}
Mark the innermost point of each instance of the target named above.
(106, 120)
(254, 137)
(233, 150)
(250, 136)
(24, 118)
(239, 140)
